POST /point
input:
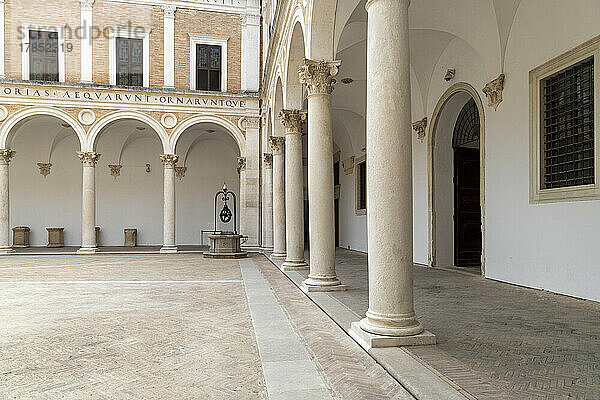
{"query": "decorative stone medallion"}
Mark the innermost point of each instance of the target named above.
(86, 117)
(168, 120)
(3, 113)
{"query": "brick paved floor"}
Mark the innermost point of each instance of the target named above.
(158, 327)
(527, 343)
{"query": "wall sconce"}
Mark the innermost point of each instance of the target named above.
(148, 169)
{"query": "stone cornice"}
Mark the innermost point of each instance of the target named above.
(6, 155)
(169, 160)
(292, 120)
(88, 158)
(493, 91)
(318, 75)
(277, 144)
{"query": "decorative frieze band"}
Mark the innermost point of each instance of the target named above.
(6, 155)
(420, 127)
(292, 120)
(268, 160)
(241, 164)
(169, 160)
(277, 144)
(318, 75)
(88, 158)
(493, 91)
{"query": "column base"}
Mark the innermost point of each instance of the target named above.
(294, 265)
(87, 250)
(266, 249)
(371, 341)
(278, 255)
(168, 249)
(6, 250)
(322, 284)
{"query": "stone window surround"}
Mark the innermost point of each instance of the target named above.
(571, 193)
(46, 27)
(357, 161)
(125, 33)
(211, 40)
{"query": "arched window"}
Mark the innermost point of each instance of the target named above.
(466, 130)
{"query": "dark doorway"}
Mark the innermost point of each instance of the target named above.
(336, 203)
(467, 208)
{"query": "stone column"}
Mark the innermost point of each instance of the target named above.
(277, 144)
(318, 78)
(389, 180)
(267, 244)
(86, 40)
(169, 161)
(169, 45)
(5, 157)
(242, 217)
(251, 183)
(88, 205)
(294, 189)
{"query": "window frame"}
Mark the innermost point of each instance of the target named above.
(208, 40)
(357, 187)
(47, 27)
(536, 76)
(127, 33)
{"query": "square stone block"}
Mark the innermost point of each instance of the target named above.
(130, 237)
(21, 236)
(56, 237)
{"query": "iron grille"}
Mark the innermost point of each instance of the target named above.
(568, 127)
(466, 130)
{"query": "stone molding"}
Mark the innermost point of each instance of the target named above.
(241, 164)
(88, 158)
(169, 10)
(268, 160)
(169, 160)
(180, 172)
(6, 155)
(420, 127)
(44, 168)
(86, 4)
(115, 170)
(318, 75)
(292, 120)
(348, 165)
(493, 91)
(277, 144)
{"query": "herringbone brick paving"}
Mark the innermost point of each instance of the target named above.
(526, 343)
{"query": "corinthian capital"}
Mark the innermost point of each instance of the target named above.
(5, 156)
(88, 158)
(169, 11)
(277, 144)
(86, 4)
(318, 75)
(292, 120)
(268, 160)
(169, 160)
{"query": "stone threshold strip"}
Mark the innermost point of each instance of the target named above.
(289, 371)
(115, 282)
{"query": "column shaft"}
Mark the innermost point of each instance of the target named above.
(294, 189)
(242, 210)
(5, 157)
(389, 172)
(169, 161)
(88, 202)
(277, 145)
(267, 216)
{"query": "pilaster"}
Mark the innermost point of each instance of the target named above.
(86, 40)
(169, 45)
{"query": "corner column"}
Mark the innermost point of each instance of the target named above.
(267, 243)
(5, 157)
(169, 45)
(277, 144)
(294, 189)
(169, 161)
(318, 78)
(88, 205)
(391, 319)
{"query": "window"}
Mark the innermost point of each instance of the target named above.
(361, 186)
(208, 67)
(208, 62)
(130, 62)
(563, 127)
(43, 56)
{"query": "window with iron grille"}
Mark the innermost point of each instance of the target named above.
(361, 183)
(567, 127)
(43, 56)
(208, 67)
(130, 62)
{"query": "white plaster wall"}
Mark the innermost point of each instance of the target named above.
(54, 201)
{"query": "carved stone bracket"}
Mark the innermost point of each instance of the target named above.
(318, 75)
(241, 164)
(44, 168)
(88, 158)
(180, 172)
(493, 91)
(268, 160)
(292, 120)
(169, 160)
(6, 155)
(348, 165)
(115, 170)
(420, 127)
(277, 144)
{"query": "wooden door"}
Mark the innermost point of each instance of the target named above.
(467, 210)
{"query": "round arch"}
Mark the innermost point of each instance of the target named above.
(460, 87)
(229, 126)
(7, 131)
(101, 123)
(296, 53)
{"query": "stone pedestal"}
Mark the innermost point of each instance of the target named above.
(225, 245)
(130, 237)
(21, 236)
(97, 236)
(56, 237)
